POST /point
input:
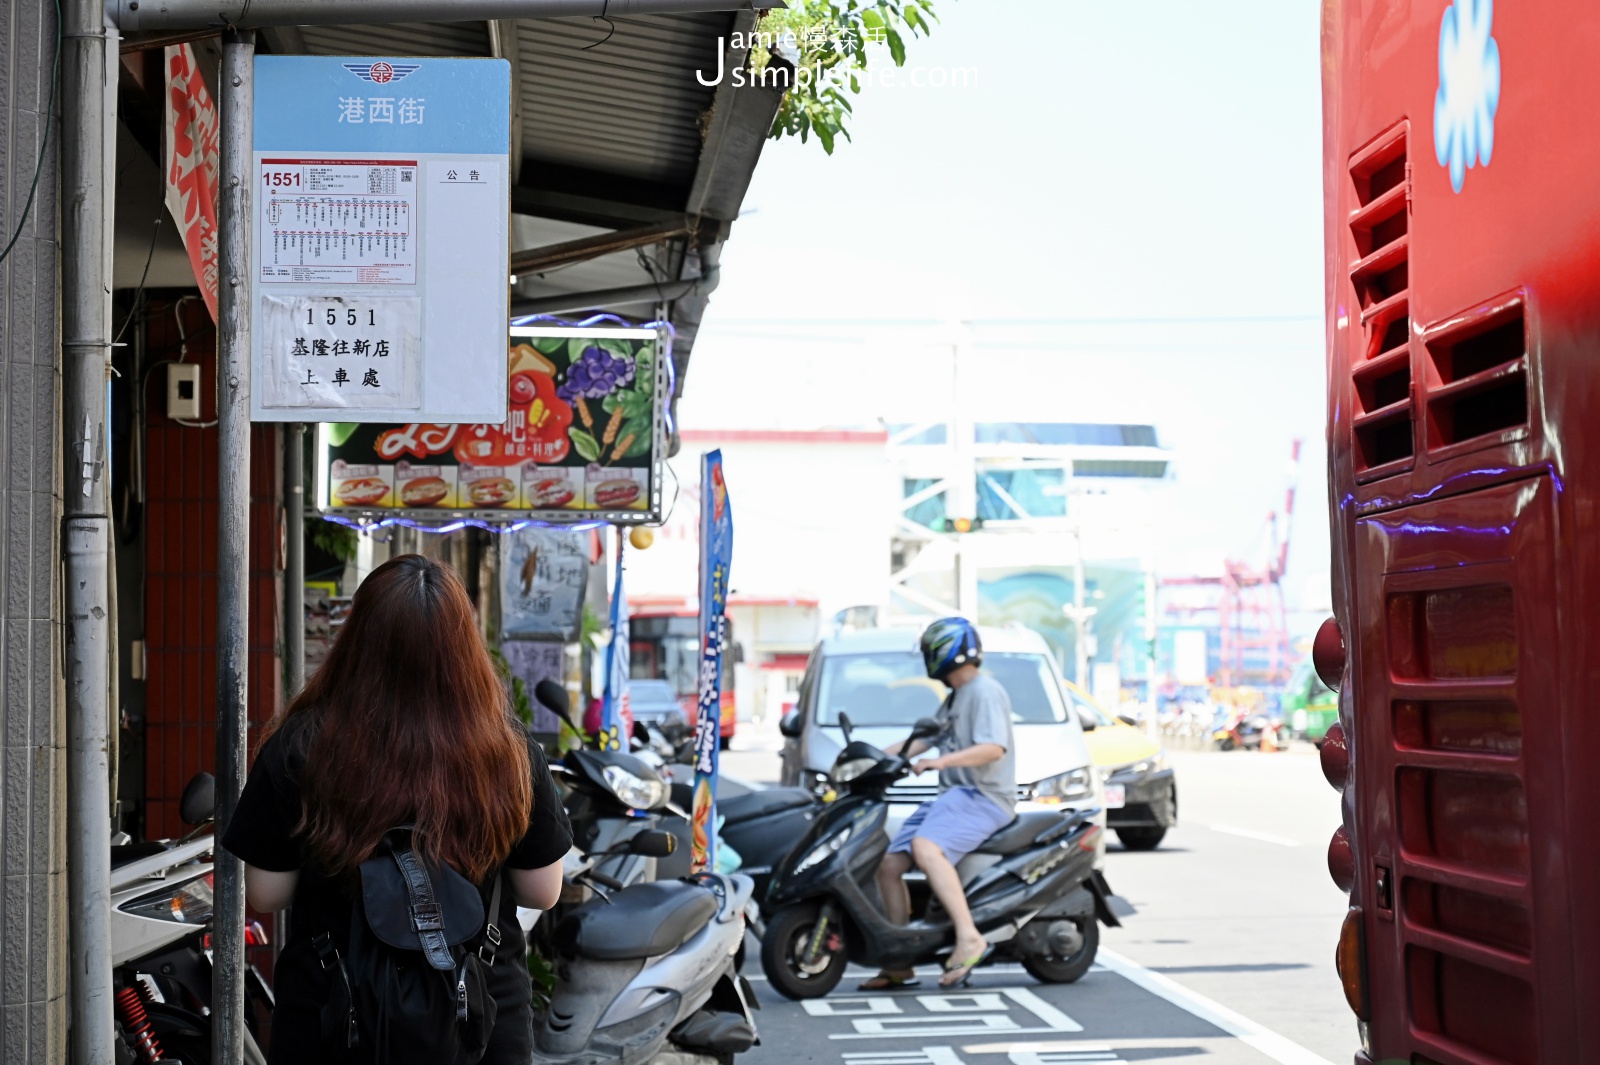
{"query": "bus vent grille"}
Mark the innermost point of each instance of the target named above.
(1385, 415)
(1478, 379)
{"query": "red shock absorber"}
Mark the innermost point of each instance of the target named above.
(130, 1009)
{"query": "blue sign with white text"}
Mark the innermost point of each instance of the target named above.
(355, 104)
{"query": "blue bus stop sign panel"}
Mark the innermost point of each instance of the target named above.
(360, 104)
(380, 231)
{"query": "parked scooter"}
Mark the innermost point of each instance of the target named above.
(1244, 731)
(1032, 888)
(648, 973)
(610, 797)
(161, 906)
(764, 827)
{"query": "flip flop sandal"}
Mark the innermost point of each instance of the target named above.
(886, 982)
(964, 968)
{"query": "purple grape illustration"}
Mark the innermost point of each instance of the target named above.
(594, 375)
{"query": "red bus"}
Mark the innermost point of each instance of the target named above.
(665, 645)
(1462, 225)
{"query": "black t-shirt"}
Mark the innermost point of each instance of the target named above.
(262, 834)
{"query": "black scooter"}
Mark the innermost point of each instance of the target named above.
(1032, 888)
(765, 827)
(611, 796)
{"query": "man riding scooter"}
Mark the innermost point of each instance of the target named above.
(977, 796)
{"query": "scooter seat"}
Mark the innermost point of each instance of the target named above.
(1020, 833)
(641, 921)
(756, 804)
(128, 853)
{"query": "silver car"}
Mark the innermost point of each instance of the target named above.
(877, 677)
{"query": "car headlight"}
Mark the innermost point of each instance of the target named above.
(1148, 765)
(640, 793)
(844, 772)
(825, 849)
(188, 903)
(1064, 787)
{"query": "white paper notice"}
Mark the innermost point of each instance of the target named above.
(348, 221)
(341, 351)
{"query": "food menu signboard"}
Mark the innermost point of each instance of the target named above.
(583, 439)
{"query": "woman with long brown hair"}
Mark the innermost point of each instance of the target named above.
(406, 723)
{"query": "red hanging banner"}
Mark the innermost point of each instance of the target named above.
(190, 165)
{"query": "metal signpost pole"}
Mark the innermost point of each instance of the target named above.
(86, 533)
(233, 528)
(294, 560)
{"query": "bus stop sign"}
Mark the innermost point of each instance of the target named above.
(379, 243)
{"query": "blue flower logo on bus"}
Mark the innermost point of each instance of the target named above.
(1469, 88)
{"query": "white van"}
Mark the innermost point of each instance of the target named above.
(877, 677)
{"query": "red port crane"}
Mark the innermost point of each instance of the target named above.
(1247, 604)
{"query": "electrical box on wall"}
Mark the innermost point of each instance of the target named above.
(183, 391)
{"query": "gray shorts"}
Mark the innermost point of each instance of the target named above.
(958, 821)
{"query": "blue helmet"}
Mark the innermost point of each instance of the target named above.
(948, 643)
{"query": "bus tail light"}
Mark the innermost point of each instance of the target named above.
(1327, 653)
(1342, 860)
(1350, 962)
(1335, 756)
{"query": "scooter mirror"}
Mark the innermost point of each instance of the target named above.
(553, 696)
(198, 804)
(925, 728)
(653, 844)
(844, 723)
(641, 732)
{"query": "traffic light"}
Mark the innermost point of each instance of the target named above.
(962, 525)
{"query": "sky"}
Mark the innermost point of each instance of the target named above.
(1115, 211)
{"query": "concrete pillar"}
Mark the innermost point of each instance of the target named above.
(33, 969)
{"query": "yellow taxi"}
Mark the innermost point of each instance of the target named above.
(1141, 791)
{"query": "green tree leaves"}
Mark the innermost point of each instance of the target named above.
(834, 39)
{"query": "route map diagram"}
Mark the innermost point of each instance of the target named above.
(346, 221)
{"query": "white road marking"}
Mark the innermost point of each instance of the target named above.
(925, 1056)
(1041, 1009)
(849, 1007)
(1264, 837)
(951, 1013)
(1046, 1046)
(1066, 1057)
(1248, 1032)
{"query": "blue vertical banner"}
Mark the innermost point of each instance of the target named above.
(716, 553)
(614, 704)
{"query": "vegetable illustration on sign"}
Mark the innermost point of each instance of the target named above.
(1469, 88)
(624, 386)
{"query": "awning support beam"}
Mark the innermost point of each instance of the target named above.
(134, 16)
(538, 260)
(611, 298)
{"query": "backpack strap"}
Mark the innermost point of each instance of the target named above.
(427, 916)
(491, 930)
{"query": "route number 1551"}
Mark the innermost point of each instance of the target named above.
(332, 316)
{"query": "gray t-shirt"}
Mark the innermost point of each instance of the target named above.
(980, 712)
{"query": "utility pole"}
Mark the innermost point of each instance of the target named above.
(1152, 721)
(86, 521)
(1079, 614)
(233, 532)
(961, 492)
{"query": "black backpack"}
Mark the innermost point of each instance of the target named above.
(413, 985)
